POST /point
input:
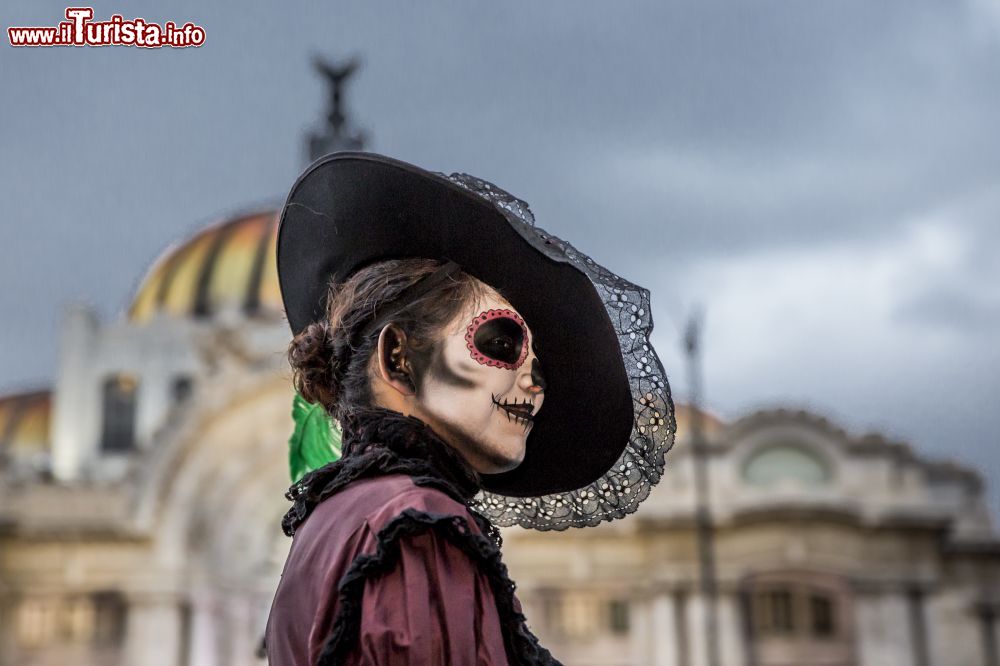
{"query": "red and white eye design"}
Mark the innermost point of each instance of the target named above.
(498, 338)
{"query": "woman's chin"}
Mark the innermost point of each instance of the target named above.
(492, 450)
(504, 461)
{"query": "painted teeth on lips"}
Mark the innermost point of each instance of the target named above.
(521, 410)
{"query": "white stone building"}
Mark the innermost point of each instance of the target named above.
(140, 502)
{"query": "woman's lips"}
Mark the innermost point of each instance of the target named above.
(519, 410)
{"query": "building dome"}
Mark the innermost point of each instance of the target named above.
(228, 266)
(24, 426)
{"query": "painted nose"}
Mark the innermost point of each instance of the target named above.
(537, 378)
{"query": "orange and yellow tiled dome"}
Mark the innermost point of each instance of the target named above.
(24, 424)
(229, 265)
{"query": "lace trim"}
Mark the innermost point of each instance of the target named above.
(641, 465)
(521, 645)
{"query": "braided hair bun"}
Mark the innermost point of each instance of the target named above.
(311, 356)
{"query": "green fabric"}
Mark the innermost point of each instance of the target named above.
(316, 440)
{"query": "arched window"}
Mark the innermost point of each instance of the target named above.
(799, 617)
(110, 613)
(181, 388)
(618, 616)
(772, 611)
(37, 623)
(794, 610)
(118, 425)
(821, 615)
(785, 461)
(96, 619)
(581, 615)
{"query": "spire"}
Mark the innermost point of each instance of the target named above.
(337, 132)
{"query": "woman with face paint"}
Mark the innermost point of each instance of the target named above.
(481, 372)
(480, 389)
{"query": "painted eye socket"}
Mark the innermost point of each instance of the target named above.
(497, 338)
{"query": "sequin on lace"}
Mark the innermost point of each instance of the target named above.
(641, 465)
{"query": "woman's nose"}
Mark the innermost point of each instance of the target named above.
(533, 382)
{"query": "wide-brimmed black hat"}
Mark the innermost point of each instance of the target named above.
(597, 445)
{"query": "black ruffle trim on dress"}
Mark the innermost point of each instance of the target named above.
(520, 644)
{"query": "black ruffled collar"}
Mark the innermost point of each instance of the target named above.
(410, 439)
(382, 441)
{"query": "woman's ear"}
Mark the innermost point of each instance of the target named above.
(393, 360)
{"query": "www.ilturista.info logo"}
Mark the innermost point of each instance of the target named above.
(79, 30)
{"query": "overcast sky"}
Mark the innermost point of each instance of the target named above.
(823, 177)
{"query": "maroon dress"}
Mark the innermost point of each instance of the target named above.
(389, 566)
(433, 607)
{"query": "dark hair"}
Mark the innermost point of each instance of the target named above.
(330, 363)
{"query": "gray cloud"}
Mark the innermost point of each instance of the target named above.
(954, 309)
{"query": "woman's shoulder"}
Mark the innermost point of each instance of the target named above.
(398, 493)
(377, 500)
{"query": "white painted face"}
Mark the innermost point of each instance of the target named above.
(483, 386)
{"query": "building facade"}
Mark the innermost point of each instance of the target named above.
(830, 549)
(141, 499)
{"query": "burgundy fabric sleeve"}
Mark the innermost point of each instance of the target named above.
(434, 607)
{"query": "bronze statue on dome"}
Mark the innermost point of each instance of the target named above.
(337, 133)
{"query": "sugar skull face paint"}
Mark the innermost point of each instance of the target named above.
(483, 386)
(497, 338)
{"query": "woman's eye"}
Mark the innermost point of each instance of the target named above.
(504, 343)
(500, 339)
(502, 348)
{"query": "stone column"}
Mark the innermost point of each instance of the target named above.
(663, 634)
(990, 636)
(730, 620)
(204, 649)
(918, 628)
(995, 656)
(242, 625)
(697, 630)
(76, 411)
(883, 628)
(8, 622)
(640, 635)
(153, 630)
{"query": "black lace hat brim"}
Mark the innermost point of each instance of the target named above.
(351, 209)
